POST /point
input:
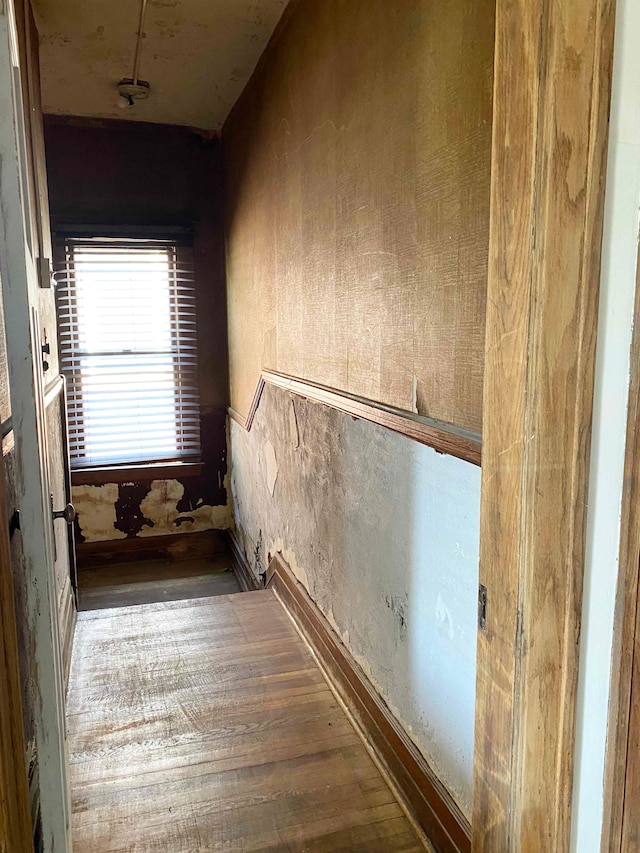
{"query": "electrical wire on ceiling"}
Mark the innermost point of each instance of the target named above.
(132, 89)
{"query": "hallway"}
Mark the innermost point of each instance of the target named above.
(206, 725)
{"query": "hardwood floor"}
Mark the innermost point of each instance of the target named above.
(205, 725)
(149, 581)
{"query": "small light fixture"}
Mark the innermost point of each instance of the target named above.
(132, 89)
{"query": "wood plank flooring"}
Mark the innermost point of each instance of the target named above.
(148, 581)
(205, 725)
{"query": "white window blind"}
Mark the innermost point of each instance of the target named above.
(127, 338)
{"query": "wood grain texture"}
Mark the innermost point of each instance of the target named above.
(357, 205)
(621, 828)
(551, 96)
(434, 808)
(15, 822)
(444, 438)
(206, 725)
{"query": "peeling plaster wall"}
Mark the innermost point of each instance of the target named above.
(155, 508)
(383, 532)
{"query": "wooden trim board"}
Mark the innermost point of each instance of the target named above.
(550, 128)
(430, 803)
(444, 438)
(173, 546)
(245, 576)
(627, 612)
(247, 422)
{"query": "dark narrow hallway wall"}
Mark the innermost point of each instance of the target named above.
(124, 174)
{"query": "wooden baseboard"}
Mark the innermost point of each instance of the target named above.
(173, 547)
(431, 804)
(443, 437)
(245, 576)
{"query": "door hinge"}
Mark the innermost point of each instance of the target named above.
(45, 274)
(482, 607)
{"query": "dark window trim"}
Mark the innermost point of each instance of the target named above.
(181, 235)
(100, 476)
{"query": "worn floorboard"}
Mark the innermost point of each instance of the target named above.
(205, 725)
(148, 581)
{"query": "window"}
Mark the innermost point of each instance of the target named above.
(127, 337)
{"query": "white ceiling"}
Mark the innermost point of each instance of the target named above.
(197, 56)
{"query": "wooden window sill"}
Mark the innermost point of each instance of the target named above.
(135, 473)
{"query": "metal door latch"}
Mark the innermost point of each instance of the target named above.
(68, 514)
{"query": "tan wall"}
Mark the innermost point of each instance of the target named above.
(357, 171)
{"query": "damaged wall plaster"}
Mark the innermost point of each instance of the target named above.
(383, 532)
(155, 508)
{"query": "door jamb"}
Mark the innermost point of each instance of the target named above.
(552, 84)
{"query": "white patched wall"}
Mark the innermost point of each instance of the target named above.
(384, 534)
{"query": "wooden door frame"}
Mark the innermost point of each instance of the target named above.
(552, 86)
(15, 819)
(18, 271)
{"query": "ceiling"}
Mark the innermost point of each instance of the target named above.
(197, 56)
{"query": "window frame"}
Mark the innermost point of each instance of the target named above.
(126, 471)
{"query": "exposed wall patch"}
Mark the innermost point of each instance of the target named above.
(95, 506)
(271, 466)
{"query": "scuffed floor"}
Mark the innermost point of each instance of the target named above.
(205, 725)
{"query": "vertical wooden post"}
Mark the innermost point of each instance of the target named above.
(15, 820)
(551, 99)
